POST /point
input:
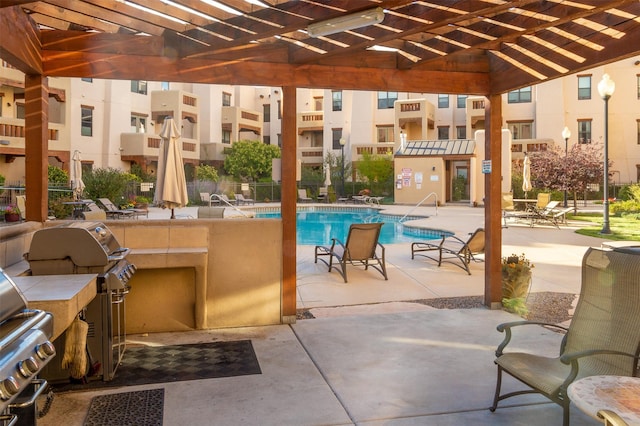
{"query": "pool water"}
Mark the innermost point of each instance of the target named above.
(319, 227)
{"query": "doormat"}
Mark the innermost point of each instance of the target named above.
(142, 365)
(142, 408)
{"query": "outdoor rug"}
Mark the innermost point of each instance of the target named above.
(142, 365)
(143, 408)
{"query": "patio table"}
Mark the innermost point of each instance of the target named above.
(619, 394)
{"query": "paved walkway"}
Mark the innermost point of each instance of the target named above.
(371, 358)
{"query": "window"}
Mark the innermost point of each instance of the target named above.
(226, 99)
(638, 85)
(266, 140)
(385, 134)
(519, 96)
(164, 85)
(584, 87)
(138, 123)
(226, 136)
(584, 131)
(139, 86)
(266, 113)
(336, 99)
(461, 132)
(443, 132)
(20, 112)
(638, 132)
(317, 104)
(443, 101)
(87, 79)
(521, 129)
(86, 121)
(386, 99)
(462, 101)
(279, 111)
(336, 134)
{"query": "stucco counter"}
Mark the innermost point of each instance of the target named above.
(62, 295)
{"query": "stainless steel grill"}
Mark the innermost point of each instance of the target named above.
(25, 349)
(83, 247)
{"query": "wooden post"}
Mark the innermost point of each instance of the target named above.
(36, 121)
(288, 204)
(492, 205)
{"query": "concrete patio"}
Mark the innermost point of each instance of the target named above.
(370, 357)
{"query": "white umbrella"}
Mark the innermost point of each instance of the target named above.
(327, 176)
(171, 185)
(526, 175)
(77, 185)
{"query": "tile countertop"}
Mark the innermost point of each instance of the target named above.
(62, 295)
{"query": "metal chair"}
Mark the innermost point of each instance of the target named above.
(453, 250)
(360, 249)
(602, 339)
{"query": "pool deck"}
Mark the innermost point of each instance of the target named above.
(370, 356)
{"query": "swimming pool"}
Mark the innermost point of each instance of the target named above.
(317, 226)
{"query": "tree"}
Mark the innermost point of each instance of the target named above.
(57, 176)
(206, 172)
(107, 183)
(250, 160)
(583, 165)
(376, 169)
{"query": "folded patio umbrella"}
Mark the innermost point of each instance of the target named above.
(171, 186)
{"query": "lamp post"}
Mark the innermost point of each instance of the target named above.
(605, 89)
(343, 141)
(566, 134)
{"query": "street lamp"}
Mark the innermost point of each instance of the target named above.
(605, 89)
(343, 141)
(566, 134)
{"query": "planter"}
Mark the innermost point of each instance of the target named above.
(515, 289)
(12, 217)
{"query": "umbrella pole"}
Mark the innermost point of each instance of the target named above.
(173, 216)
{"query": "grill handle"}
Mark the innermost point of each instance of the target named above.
(41, 385)
(119, 254)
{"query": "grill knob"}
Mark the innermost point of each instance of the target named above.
(9, 387)
(28, 367)
(45, 350)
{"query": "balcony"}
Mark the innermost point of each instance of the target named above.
(310, 121)
(12, 133)
(238, 120)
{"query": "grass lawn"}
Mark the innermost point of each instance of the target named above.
(621, 228)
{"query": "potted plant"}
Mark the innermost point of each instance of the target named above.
(142, 202)
(12, 213)
(516, 281)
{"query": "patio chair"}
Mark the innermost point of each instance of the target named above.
(302, 196)
(452, 250)
(602, 339)
(205, 197)
(240, 199)
(534, 213)
(323, 194)
(114, 212)
(361, 249)
(553, 216)
(92, 211)
(543, 199)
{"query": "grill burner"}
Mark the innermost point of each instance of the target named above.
(83, 247)
(24, 347)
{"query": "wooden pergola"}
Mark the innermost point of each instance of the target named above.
(470, 47)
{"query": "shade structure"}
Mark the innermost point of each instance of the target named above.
(171, 185)
(526, 175)
(77, 185)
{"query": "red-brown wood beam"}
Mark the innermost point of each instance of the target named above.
(20, 40)
(492, 205)
(36, 143)
(288, 203)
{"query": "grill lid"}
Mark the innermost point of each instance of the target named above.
(86, 244)
(12, 299)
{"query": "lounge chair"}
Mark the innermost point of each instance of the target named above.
(205, 197)
(509, 211)
(303, 197)
(92, 211)
(114, 212)
(323, 195)
(360, 249)
(452, 250)
(602, 339)
(536, 214)
(240, 199)
(543, 199)
(553, 216)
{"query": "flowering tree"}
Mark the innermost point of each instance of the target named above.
(583, 165)
(250, 160)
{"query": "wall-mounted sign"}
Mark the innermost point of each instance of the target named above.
(486, 166)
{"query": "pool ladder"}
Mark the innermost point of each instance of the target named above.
(422, 201)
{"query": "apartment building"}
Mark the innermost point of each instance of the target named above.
(116, 124)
